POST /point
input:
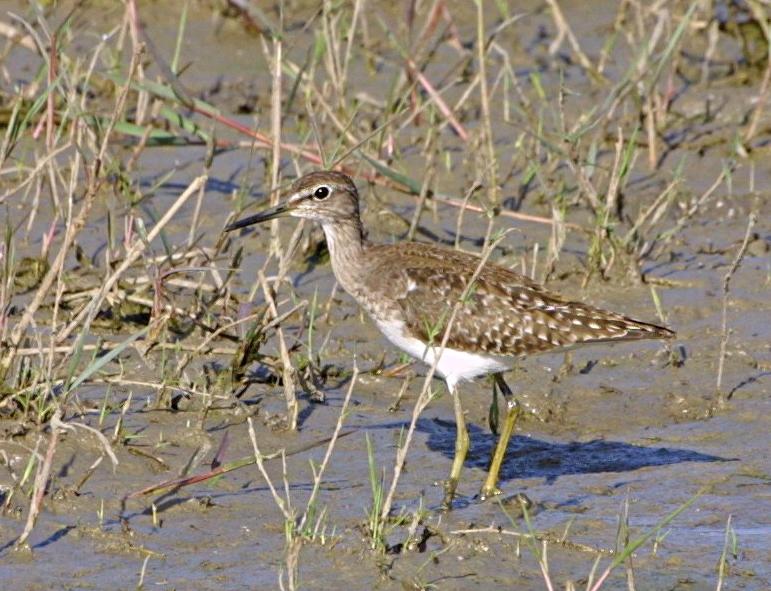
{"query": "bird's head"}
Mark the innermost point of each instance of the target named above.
(328, 197)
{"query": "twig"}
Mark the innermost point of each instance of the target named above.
(684, 218)
(109, 345)
(491, 164)
(259, 460)
(546, 536)
(563, 31)
(58, 424)
(444, 109)
(287, 370)
(41, 480)
(724, 332)
(317, 476)
(515, 215)
(762, 99)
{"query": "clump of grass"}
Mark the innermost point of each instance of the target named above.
(308, 526)
(375, 521)
(730, 551)
(626, 546)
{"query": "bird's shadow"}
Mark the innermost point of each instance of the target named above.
(534, 458)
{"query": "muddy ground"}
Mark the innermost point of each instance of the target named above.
(603, 427)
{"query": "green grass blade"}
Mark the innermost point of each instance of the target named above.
(98, 364)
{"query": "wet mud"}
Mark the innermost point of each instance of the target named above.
(606, 429)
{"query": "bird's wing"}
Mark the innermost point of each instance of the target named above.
(502, 313)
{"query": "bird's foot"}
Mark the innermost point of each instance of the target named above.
(317, 396)
(489, 492)
(450, 486)
(517, 505)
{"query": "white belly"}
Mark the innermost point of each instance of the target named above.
(453, 365)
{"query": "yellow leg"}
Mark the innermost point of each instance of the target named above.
(461, 448)
(490, 487)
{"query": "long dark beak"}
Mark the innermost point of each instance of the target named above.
(268, 214)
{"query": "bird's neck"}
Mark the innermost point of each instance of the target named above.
(347, 246)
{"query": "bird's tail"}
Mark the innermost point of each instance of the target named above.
(591, 324)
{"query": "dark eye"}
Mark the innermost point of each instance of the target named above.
(321, 193)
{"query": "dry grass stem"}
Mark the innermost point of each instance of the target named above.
(41, 482)
(724, 332)
(287, 369)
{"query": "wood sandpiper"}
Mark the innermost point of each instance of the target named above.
(408, 289)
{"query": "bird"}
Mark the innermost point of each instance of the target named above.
(409, 290)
